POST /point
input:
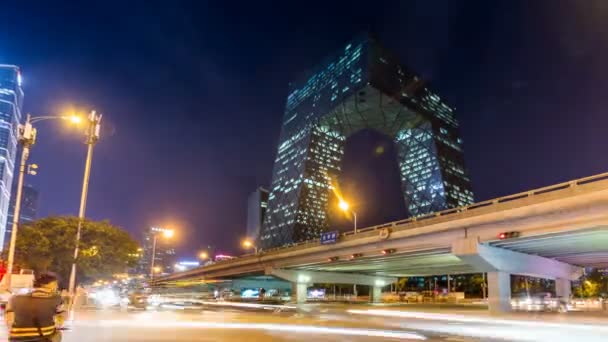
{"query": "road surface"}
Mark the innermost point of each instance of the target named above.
(348, 323)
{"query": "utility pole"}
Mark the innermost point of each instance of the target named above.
(153, 257)
(483, 285)
(94, 121)
(449, 283)
(27, 138)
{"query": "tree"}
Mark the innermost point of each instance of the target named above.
(48, 245)
(593, 284)
(587, 289)
(401, 284)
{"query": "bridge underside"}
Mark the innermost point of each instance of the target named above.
(583, 248)
(425, 263)
(588, 248)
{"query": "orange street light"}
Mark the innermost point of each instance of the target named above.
(249, 244)
(345, 208)
(343, 205)
(203, 255)
(75, 119)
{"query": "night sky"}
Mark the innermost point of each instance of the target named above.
(193, 94)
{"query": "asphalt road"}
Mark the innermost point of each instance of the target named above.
(230, 324)
(347, 323)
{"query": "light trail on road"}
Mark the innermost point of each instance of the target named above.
(250, 305)
(307, 329)
(490, 327)
(477, 319)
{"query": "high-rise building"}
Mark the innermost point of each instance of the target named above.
(11, 102)
(257, 204)
(165, 256)
(28, 210)
(362, 86)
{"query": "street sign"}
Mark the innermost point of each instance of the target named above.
(329, 237)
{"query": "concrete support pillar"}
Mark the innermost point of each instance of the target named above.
(449, 284)
(299, 292)
(563, 288)
(375, 295)
(499, 292)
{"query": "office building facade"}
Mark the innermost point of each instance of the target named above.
(11, 103)
(28, 211)
(257, 203)
(362, 86)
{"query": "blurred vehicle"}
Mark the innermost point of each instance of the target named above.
(250, 293)
(20, 283)
(5, 295)
(226, 294)
(316, 294)
(180, 305)
(106, 298)
(540, 302)
(137, 301)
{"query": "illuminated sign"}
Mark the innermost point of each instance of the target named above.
(329, 237)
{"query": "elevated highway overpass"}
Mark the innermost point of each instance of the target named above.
(561, 228)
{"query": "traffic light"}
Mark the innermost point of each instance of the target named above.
(508, 235)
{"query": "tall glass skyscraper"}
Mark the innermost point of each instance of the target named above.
(11, 102)
(361, 86)
(29, 209)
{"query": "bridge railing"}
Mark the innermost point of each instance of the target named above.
(495, 201)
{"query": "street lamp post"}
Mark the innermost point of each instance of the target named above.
(345, 207)
(27, 138)
(153, 257)
(166, 233)
(94, 121)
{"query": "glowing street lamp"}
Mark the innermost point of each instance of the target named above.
(249, 244)
(346, 208)
(75, 119)
(343, 205)
(203, 255)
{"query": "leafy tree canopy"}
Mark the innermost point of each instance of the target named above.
(48, 245)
